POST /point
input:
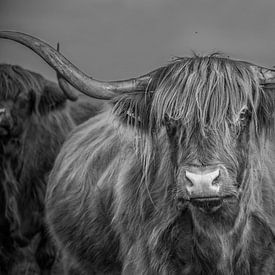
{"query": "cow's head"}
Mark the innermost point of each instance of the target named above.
(22, 94)
(217, 113)
(209, 113)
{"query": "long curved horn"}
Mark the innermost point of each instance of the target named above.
(79, 80)
(266, 76)
(64, 86)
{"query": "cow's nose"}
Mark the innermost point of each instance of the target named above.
(6, 122)
(2, 112)
(203, 188)
(203, 184)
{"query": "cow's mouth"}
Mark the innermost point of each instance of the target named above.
(209, 204)
(4, 130)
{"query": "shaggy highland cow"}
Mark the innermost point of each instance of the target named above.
(34, 122)
(177, 177)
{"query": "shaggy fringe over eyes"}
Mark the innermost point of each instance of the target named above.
(209, 92)
(15, 80)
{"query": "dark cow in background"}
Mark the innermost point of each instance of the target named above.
(177, 177)
(35, 119)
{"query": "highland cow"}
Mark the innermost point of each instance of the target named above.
(34, 122)
(176, 177)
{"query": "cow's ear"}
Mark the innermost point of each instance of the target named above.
(266, 109)
(50, 99)
(133, 110)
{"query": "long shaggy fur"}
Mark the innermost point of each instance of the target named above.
(111, 195)
(42, 122)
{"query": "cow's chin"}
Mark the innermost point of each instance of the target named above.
(220, 213)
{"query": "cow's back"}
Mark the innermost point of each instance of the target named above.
(80, 196)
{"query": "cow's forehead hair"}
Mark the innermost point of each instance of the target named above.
(15, 80)
(210, 90)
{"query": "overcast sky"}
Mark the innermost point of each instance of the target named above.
(116, 39)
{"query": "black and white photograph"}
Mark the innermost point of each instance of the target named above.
(137, 137)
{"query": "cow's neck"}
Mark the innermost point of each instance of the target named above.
(216, 249)
(10, 168)
(10, 159)
(228, 252)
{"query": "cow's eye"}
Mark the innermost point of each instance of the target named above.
(171, 126)
(244, 117)
(240, 125)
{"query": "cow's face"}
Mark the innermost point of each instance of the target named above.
(210, 166)
(24, 94)
(214, 111)
(13, 114)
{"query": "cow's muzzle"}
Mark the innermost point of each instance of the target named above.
(203, 186)
(6, 122)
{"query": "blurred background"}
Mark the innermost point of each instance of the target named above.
(116, 39)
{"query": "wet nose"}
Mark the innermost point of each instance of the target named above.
(203, 183)
(2, 112)
(5, 121)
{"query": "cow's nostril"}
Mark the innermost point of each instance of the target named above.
(189, 182)
(216, 180)
(2, 111)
